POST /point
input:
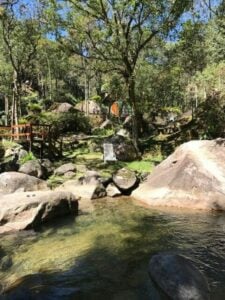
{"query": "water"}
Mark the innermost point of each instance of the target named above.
(105, 254)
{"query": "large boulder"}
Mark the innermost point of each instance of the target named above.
(192, 177)
(28, 210)
(123, 147)
(62, 107)
(125, 179)
(178, 278)
(69, 167)
(11, 182)
(33, 168)
(91, 190)
(112, 190)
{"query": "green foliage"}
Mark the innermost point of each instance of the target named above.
(96, 98)
(103, 132)
(28, 157)
(34, 108)
(211, 117)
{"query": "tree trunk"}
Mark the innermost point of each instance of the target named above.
(135, 123)
(6, 110)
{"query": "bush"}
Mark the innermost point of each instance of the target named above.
(29, 156)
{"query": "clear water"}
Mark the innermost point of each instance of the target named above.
(105, 254)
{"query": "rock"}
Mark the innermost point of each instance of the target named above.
(11, 182)
(125, 179)
(5, 263)
(123, 132)
(10, 165)
(91, 190)
(90, 106)
(81, 168)
(63, 107)
(192, 177)
(21, 153)
(32, 168)
(123, 147)
(69, 174)
(28, 210)
(178, 278)
(64, 169)
(47, 166)
(112, 190)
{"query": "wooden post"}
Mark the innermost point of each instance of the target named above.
(31, 137)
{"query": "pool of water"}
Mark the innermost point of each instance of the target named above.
(105, 254)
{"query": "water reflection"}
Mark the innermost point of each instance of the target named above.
(104, 255)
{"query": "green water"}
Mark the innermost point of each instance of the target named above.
(105, 254)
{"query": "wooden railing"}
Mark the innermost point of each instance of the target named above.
(27, 132)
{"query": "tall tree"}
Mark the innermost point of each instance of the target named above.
(20, 33)
(116, 32)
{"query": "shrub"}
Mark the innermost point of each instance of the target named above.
(29, 156)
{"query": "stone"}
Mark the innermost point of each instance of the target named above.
(93, 190)
(22, 153)
(5, 263)
(11, 182)
(81, 168)
(109, 154)
(178, 278)
(192, 177)
(47, 166)
(112, 190)
(64, 169)
(32, 168)
(63, 107)
(69, 174)
(125, 179)
(29, 210)
(123, 132)
(123, 148)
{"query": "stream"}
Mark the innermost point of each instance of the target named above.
(105, 254)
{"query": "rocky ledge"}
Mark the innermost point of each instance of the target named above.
(192, 177)
(28, 210)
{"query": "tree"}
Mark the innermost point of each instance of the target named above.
(20, 34)
(115, 32)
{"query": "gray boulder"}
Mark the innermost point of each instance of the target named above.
(192, 177)
(69, 167)
(47, 166)
(178, 278)
(32, 168)
(29, 210)
(91, 190)
(112, 190)
(123, 147)
(11, 182)
(125, 179)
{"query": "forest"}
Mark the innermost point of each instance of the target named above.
(112, 149)
(162, 56)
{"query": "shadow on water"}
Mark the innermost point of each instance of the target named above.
(115, 266)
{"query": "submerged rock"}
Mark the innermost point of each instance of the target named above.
(178, 278)
(192, 177)
(28, 210)
(11, 182)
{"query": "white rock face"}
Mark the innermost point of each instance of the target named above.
(192, 177)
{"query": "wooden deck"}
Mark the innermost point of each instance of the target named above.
(29, 133)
